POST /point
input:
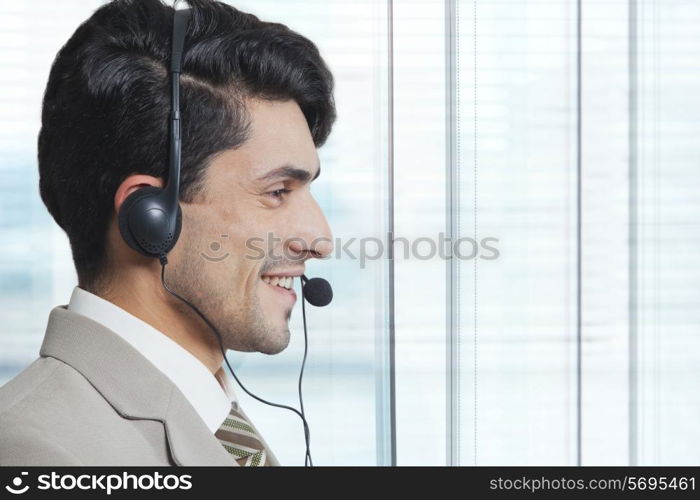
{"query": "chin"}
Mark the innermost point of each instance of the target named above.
(275, 343)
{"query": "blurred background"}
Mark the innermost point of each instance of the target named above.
(565, 130)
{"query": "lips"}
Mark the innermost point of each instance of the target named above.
(280, 281)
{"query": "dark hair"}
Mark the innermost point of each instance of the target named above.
(107, 101)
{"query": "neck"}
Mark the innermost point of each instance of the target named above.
(150, 302)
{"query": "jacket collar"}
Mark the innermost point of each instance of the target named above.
(131, 384)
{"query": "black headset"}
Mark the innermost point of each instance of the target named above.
(150, 220)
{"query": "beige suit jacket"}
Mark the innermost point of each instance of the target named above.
(92, 399)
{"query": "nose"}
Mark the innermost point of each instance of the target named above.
(311, 234)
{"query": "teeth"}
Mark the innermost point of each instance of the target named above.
(282, 281)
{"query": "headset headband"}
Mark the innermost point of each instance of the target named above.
(180, 22)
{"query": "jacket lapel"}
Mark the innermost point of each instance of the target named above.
(131, 384)
(191, 442)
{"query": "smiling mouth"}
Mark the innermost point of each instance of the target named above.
(282, 281)
(286, 282)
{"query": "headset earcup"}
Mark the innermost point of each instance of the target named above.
(125, 212)
(178, 227)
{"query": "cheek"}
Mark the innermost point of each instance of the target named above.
(260, 238)
(247, 257)
(254, 237)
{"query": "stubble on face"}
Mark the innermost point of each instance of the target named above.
(227, 299)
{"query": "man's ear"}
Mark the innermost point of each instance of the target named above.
(131, 184)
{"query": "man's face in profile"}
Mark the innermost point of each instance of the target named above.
(226, 260)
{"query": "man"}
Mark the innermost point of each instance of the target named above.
(127, 374)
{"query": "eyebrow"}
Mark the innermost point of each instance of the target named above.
(290, 171)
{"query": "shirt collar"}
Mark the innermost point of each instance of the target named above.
(202, 389)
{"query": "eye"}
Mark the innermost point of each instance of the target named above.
(279, 193)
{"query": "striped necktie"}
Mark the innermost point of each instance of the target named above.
(239, 438)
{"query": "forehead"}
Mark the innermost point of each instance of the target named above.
(278, 135)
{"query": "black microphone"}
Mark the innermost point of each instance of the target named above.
(317, 291)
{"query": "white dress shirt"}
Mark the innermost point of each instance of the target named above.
(189, 374)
